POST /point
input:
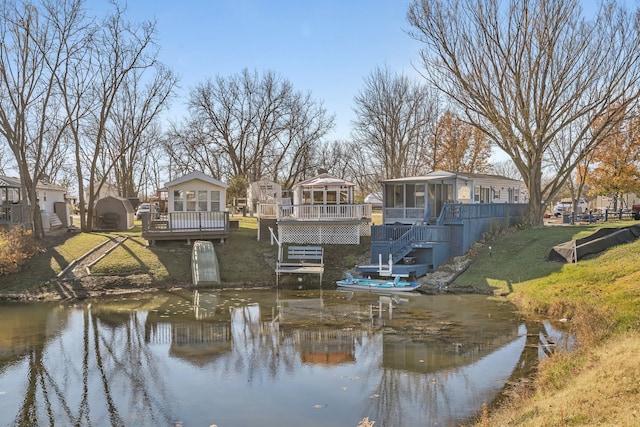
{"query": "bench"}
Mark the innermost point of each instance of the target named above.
(302, 260)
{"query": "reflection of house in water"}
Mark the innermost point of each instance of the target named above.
(199, 342)
(324, 346)
(330, 345)
(193, 331)
(329, 330)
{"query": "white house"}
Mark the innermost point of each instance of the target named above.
(323, 189)
(52, 200)
(323, 212)
(196, 192)
(263, 191)
(106, 190)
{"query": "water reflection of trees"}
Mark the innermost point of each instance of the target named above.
(106, 376)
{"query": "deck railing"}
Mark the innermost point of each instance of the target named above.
(404, 234)
(187, 221)
(15, 214)
(458, 211)
(315, 212)
(267, 210)
(463, 211)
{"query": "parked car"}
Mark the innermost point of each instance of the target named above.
(146, 208)
(566, 206)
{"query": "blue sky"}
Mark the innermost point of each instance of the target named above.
(325, 47)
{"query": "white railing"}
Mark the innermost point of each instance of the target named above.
(323, 212)
(267, 210)
(313, 212)
(182, 221)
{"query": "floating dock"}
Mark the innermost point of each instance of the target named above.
(204, 264)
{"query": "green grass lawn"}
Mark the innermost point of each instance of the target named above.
(56, 255)
(242, 258)
(517, 266)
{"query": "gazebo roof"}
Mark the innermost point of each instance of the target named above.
(325, 180)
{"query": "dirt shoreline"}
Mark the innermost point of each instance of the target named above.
(85, 286)
(76, 282)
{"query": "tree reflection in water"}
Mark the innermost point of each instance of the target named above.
(310, 358)
(108, 374)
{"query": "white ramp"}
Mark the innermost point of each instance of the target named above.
(204, 264)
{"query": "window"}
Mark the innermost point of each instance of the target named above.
(419, 195)
(178, 200)
(202, 200)
(332, 197)
(411, 196)
(318, 197)
(398, 196)
(484, 195)
(215, 201)
(190, 197)
(388, 199)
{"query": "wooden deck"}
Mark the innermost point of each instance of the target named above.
(186, 226)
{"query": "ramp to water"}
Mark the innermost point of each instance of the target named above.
(204, 264)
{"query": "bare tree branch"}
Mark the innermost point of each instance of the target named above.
(526, 71)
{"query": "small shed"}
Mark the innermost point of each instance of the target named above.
(114, 213)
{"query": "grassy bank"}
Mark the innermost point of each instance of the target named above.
(51, 257)
(243, 260)
(599, 384)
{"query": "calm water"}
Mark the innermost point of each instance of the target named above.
(259, 358)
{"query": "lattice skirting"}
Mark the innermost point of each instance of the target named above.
(344, 234)
(365, 229)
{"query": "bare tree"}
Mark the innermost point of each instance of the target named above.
(526, 71)
(394, 117)
(35, 41)
(133, 131)
(505, 168)
(188, 149)
(250, 125)
(61, 74)
(111, 112)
